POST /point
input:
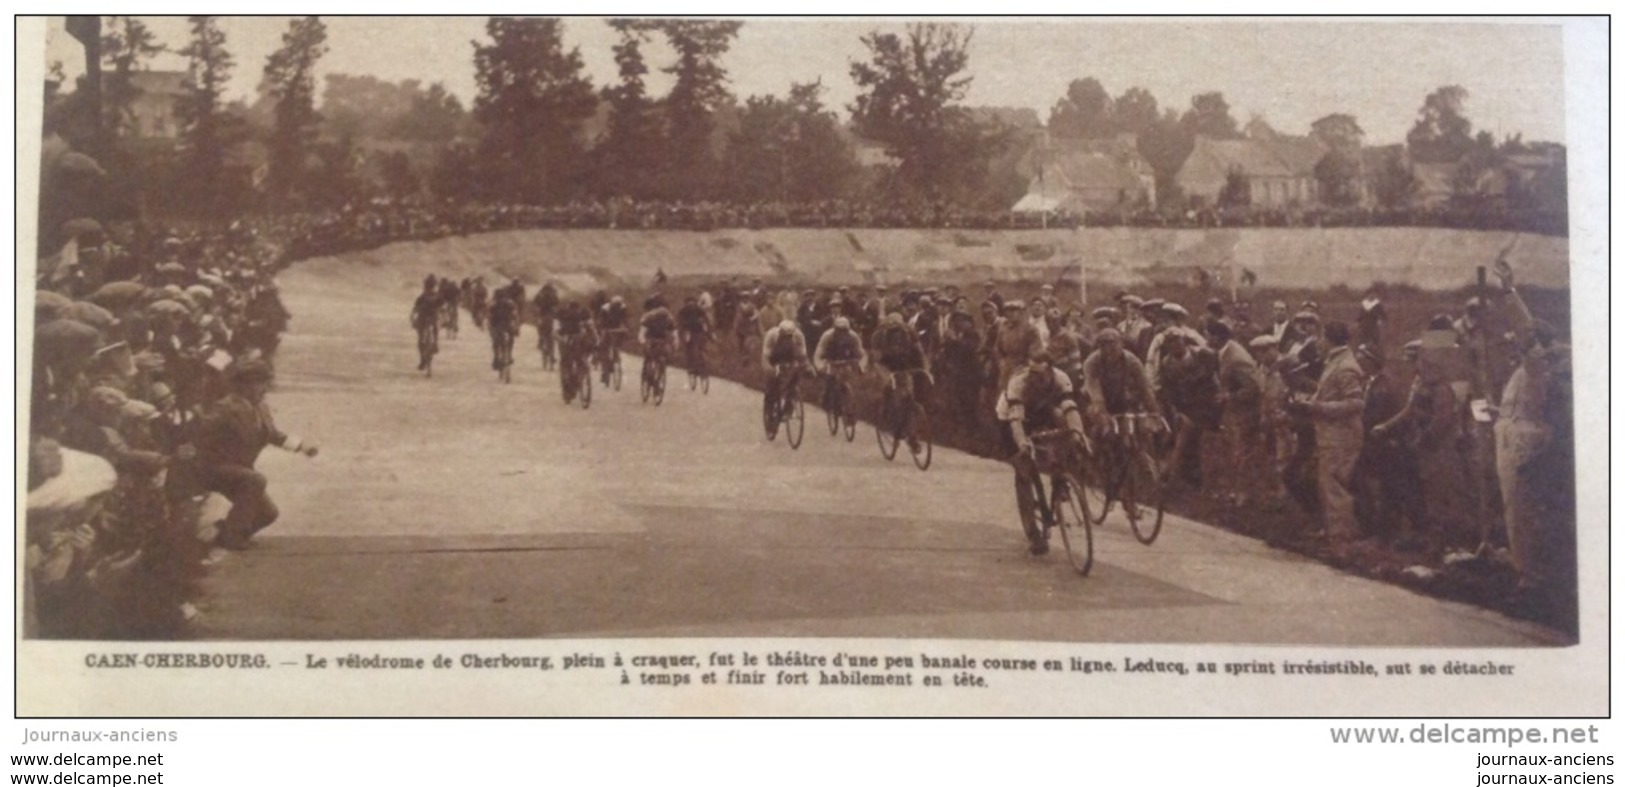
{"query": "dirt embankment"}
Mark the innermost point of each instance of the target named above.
(582, 260)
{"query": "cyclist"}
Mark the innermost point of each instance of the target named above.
(1038, 397)
(612, 317)
(545, 305)
(656, 330)
(449, 300)
(425, 320)
(897, 350)
(576, 332)
(1115, 382)
(839, 354)
(694, 329)
(477, 305)
(504, 328)
(785, 347)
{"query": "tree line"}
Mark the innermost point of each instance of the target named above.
(539, 132)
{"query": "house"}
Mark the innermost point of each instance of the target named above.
(1078, 175)
(1280, 172)
(154, 107)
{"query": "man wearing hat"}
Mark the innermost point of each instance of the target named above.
(1277, 442)
(990, 294)
(1387, 504)
(1047, 295)
(1241, 388)
(1335, 409)
(1017, 341)
(230, 438)
(1134, 325)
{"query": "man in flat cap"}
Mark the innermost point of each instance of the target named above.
(232, 435)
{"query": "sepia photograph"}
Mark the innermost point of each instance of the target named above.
(799, 366)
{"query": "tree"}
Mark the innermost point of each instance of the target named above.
(909, 86)
(701, 88)
(1135, 112)
(1442, 133)
(1165, 146)
(127, 46)
(788, 150)
(364, 106)
(433, 115)
(1338, 131)
(1338, 172)
(203, 125)
(630, 155)
(1395, 183)
(290, 81)
(398, 176)
(532, 101)
(1085, 112)
(1209, 116)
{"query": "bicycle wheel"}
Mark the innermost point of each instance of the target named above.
(832, 410)
(797, 422)
(567, 383)
(920, 428)
(1071, 509)
(1109, 474)
(615, 371)
(1142, 497)
(849, 422)
(885, 432)
(1027, 509)
(586, 390)
(645, 385)
(770, 418)
(705, 383)
(660, 384)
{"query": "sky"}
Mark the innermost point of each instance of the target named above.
(1290, 72)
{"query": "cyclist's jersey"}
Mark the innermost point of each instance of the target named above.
(449, 294)
(838, 345)
(692, 318)
(612, 317)
(504, 316)
(1033, 400)
(657, 325)
(781, 346)
(425, 309)
(547, 302)
(1119, 386)
(896, 347)
(573, 320)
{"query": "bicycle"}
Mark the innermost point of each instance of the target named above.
(1131, 475)
(575, 376)
(838, 400)
(699, 368)
(502, 354)
(448, 319)
(609, 357)
(653, 376)
(1063, 456)
(903, 423)
(786, 408)
(428, 345)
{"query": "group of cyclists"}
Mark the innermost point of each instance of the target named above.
(570, 334)
(1037, 394)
